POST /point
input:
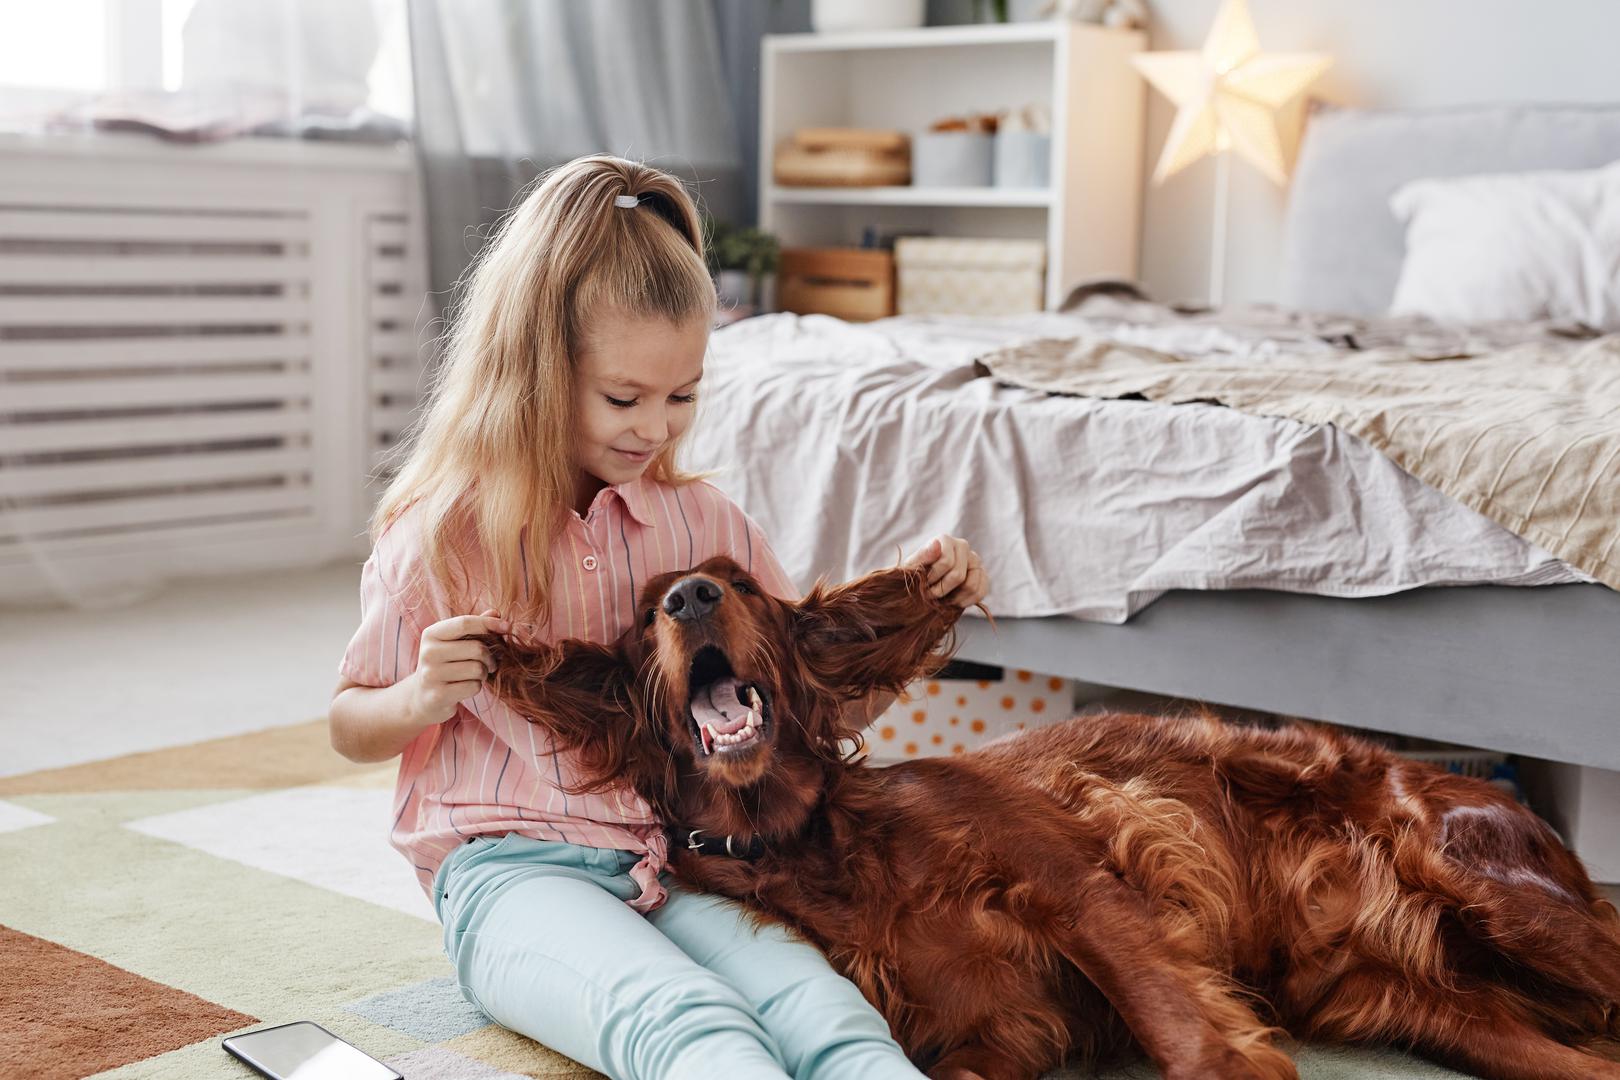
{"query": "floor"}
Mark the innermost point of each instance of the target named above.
(196, 661)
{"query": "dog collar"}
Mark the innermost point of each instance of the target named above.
(696, 840)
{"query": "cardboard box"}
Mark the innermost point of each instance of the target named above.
(963, 708)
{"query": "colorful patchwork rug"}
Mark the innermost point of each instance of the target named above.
(152, 904)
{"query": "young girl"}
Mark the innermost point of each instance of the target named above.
(540, 492)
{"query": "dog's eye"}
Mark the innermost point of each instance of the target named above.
(652, 613)
(743, 587)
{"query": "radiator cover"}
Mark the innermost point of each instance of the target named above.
(204, 352)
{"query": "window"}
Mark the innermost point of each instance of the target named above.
(58, 53)
(56, 46)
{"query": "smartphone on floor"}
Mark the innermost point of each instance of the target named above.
(305, 1051)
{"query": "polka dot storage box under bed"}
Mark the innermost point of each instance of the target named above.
(965, 706)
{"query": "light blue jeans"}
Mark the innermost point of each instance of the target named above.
(544, 944)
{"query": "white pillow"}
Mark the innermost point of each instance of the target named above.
(1531, 245)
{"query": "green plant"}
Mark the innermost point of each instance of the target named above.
(748, 248)
(998, 7)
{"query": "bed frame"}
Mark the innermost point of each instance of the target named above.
(1532, 671)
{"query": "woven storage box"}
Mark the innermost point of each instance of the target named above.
(940, 276)
(950, 715)
(852, 283)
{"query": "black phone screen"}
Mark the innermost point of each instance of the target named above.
(306, 1051)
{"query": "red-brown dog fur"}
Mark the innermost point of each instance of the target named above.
(1190, 887)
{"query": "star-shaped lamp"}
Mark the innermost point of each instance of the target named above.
(1228, 96)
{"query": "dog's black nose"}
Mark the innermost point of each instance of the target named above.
(691, 598)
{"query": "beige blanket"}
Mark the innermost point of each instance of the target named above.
(1527, 434)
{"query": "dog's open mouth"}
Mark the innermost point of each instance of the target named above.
(730, 714)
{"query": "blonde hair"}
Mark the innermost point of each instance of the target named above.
(494, 446)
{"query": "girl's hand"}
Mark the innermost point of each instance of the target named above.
(452, 665)
(954, 570)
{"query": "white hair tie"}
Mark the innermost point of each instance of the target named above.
(626, 201)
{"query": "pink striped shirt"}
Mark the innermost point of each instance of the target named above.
(487, 769)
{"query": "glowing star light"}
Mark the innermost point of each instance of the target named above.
(1228, 94)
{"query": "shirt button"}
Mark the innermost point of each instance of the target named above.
(590, 562)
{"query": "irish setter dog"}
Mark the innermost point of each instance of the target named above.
(1190, 888)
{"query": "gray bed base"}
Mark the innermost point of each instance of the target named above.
(1531, 671)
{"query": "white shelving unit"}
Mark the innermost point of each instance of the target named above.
(904, 80)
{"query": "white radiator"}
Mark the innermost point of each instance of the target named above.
(203, 351)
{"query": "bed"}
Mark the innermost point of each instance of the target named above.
(1190, 548)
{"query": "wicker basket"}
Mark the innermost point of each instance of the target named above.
(843, 157)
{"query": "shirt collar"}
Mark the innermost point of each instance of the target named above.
(636, 499)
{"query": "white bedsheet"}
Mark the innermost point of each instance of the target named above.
(851, 444)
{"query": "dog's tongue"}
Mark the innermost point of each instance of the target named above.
(719, 705)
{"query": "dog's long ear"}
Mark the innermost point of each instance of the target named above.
(582, 693)
(878, 632)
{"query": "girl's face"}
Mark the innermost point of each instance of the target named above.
(635, 392)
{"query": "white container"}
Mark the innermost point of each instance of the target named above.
(1023, 159)
(833, 16)
(1584, 803)
(952, 159)
(944, 276)
(733, 289)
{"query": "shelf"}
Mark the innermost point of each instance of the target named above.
(907, 80)
(1045, 31)
(912, 196)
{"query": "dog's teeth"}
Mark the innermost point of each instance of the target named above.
(726, 740)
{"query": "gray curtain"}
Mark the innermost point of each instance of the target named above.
(506, 89)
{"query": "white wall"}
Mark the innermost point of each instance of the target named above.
(1387, 54)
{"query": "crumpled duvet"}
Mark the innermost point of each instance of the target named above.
(853, 444)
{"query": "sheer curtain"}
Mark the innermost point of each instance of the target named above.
(506, 89)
